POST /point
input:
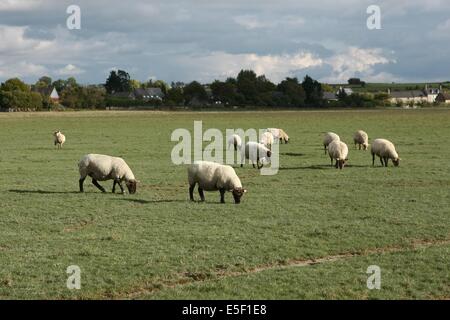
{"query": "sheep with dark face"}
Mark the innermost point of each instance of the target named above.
(279, 135)
(361, 138)
(338, 151)
(212, 176)
(236, 141)
(385, 150)
(102, 167)
(59, 139)
(256, 153)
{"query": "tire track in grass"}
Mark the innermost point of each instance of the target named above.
(187, 278)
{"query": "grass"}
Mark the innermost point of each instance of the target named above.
(157, 244)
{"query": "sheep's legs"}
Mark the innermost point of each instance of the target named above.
(325, 149)
(381, 160)
(80, 183)
(386, 160)
(200, 192)
(336, 164)
(114, 186)
(191, 192)
(95, 183)
(331, 160)
(222, 195)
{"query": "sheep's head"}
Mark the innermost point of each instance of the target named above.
(365, 146)
(342, 163)
(269, 153)
(131, 185)
(237, 194)
(56, 133)
(396, 162)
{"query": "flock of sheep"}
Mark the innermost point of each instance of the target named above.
(211, 176)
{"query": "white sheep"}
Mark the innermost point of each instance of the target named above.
(279, 134)
(236, 141)
(385, 150)
(328, 138)
(267, 139)
(338, 151)
(102, 167)
(59, 139)
(212, 176)
(256, 153)
(361, 138)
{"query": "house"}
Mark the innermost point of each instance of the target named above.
(347, 91)
(54, 96)
(415, 96)
(148, 93)
(330, 96)
(443, 97)
(49, 92)
(123, 95)
(406, 97)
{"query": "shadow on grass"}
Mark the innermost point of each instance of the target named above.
(322, 167)
(292, 154)
(142, 201)
(42, 191)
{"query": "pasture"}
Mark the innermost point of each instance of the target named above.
(310, 231)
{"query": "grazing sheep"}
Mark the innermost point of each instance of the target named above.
(279, 134)
(256, 153)
(385, 150)
(338, 151)
(362, 139)
(59, 139)
(102, 167)
(235, 141)
(328, 138)
(212, 176)
(283, 136)
(267, 139)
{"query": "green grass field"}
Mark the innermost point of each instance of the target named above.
(310, 231)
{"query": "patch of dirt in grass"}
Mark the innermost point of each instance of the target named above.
(220, 273)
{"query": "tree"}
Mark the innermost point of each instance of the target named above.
(247, 87)
(14, 84)
(118, 82)
(174, 96)
(313, 91)
(194, 93)
(135, 84)
(293, 91)
(224, 91)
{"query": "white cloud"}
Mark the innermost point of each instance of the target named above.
(357, 62)
(18, 5)
(251, 22)
(275, 67)
(69, 70)
(22, 69)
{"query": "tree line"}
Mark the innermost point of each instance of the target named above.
(246, 89)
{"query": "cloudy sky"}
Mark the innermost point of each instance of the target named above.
(185, 40)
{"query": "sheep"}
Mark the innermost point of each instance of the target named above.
(102, 167)
(279, 134)
(235, 141)
(328, 138)
(283, 136)
(385, 150)
(59, 139)
(255, 152)
(212, 176)
(338, 151)
(362, 139)
(267, 139)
